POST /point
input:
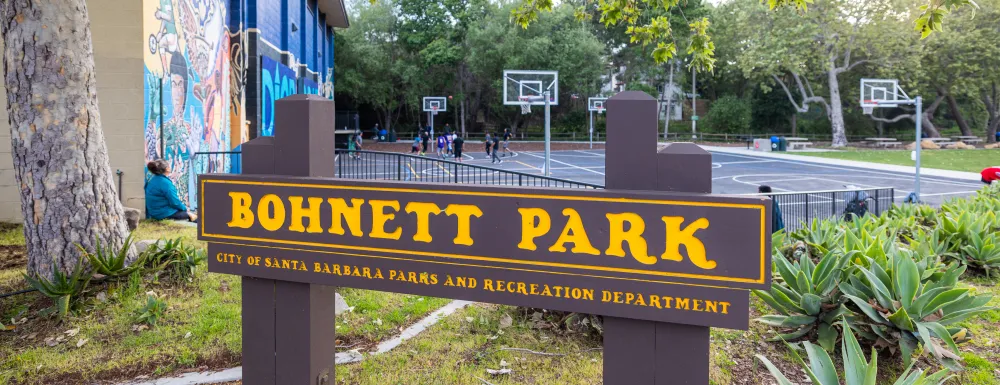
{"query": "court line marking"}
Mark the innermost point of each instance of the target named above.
(568, 164)
(923, 178)
(591, 153)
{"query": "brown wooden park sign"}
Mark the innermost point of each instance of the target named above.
(655, 254)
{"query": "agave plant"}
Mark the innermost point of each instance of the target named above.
(806, 296)
(821, 236)
(62, 288)
(175, 258)
(109, 261)
(981, 252)
(906, 307)
(857, 370)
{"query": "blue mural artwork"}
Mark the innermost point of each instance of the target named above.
(187, 79)
(309, 87)
(276, 81)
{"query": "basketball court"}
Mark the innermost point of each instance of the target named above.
(731, 173)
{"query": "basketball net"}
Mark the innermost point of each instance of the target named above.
(600, 110)
(525, 106)
(434, 110)
(868, 109)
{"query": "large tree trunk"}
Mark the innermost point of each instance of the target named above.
(957, 113)
(836, 108)
(991, 98)
(60, 158)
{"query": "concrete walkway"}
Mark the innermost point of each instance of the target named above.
(236, 374)
(960, 175)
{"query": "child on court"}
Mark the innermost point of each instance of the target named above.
(506, 141)
(496, 149)
(459, 143)
(416, 144)
(487, 143)
(450, 138)
(441, 141)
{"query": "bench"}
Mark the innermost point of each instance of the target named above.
(802, 145)
(888, 144)
(972, 141)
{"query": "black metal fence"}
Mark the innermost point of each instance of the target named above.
(798, 209)
(376, 165)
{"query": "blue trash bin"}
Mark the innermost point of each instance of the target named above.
(774, 143)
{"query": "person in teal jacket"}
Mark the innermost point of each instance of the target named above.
(777, 223)
(162, 201)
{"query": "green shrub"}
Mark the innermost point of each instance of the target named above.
(905, 305)
(152, 311)
(174, 260)
(729, 114)
(806, 296)
(110, 262)
(62, 288)
(857, 369)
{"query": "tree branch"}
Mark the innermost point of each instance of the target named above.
(893, 120)
(788, 93)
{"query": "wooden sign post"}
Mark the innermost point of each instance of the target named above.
(655, 254)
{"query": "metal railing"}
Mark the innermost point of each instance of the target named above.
(798, 209)
(376, 165)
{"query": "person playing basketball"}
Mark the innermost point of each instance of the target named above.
(458, 143)
(506, 141)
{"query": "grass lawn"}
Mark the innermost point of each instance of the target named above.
(201, 328)
(957, 160)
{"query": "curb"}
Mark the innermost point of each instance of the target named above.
(924, 171)
(236, 374)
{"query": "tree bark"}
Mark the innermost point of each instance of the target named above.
(795, 124)
(836, 110)
(991, 98)
(957, 113)
(60, 158)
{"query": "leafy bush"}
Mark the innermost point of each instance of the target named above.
(905, 306)
(110, 262)
(174, 259)
(62, 288)
(729, 114)
(153, 311)
(807, 297)
(857, 369)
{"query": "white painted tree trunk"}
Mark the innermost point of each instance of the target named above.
(60, 158)
(836, 108)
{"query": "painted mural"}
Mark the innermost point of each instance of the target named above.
(276, 81)
(310, 87)
(187, 103)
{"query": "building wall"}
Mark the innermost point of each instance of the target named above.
(187, 90)
(116, 29)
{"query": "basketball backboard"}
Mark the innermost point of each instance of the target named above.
(596, 104)
(435, 104)
(882, 92)
(527, 87)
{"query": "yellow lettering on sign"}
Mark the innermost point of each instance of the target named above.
(618, 235)
(271, 212)
(379, 217)
(530, 230)
(574, 233)
(344, 213)
(423, 211)
(299, 213)
(677, 237)
(242, 215)
(463, 214)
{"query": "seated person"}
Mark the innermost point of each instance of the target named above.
(162, 201)
(777, 223)
(990, 174)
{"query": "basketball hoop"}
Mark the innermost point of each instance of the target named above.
(434, 110)
(868, 107)
(600, 110)
(525, 105)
